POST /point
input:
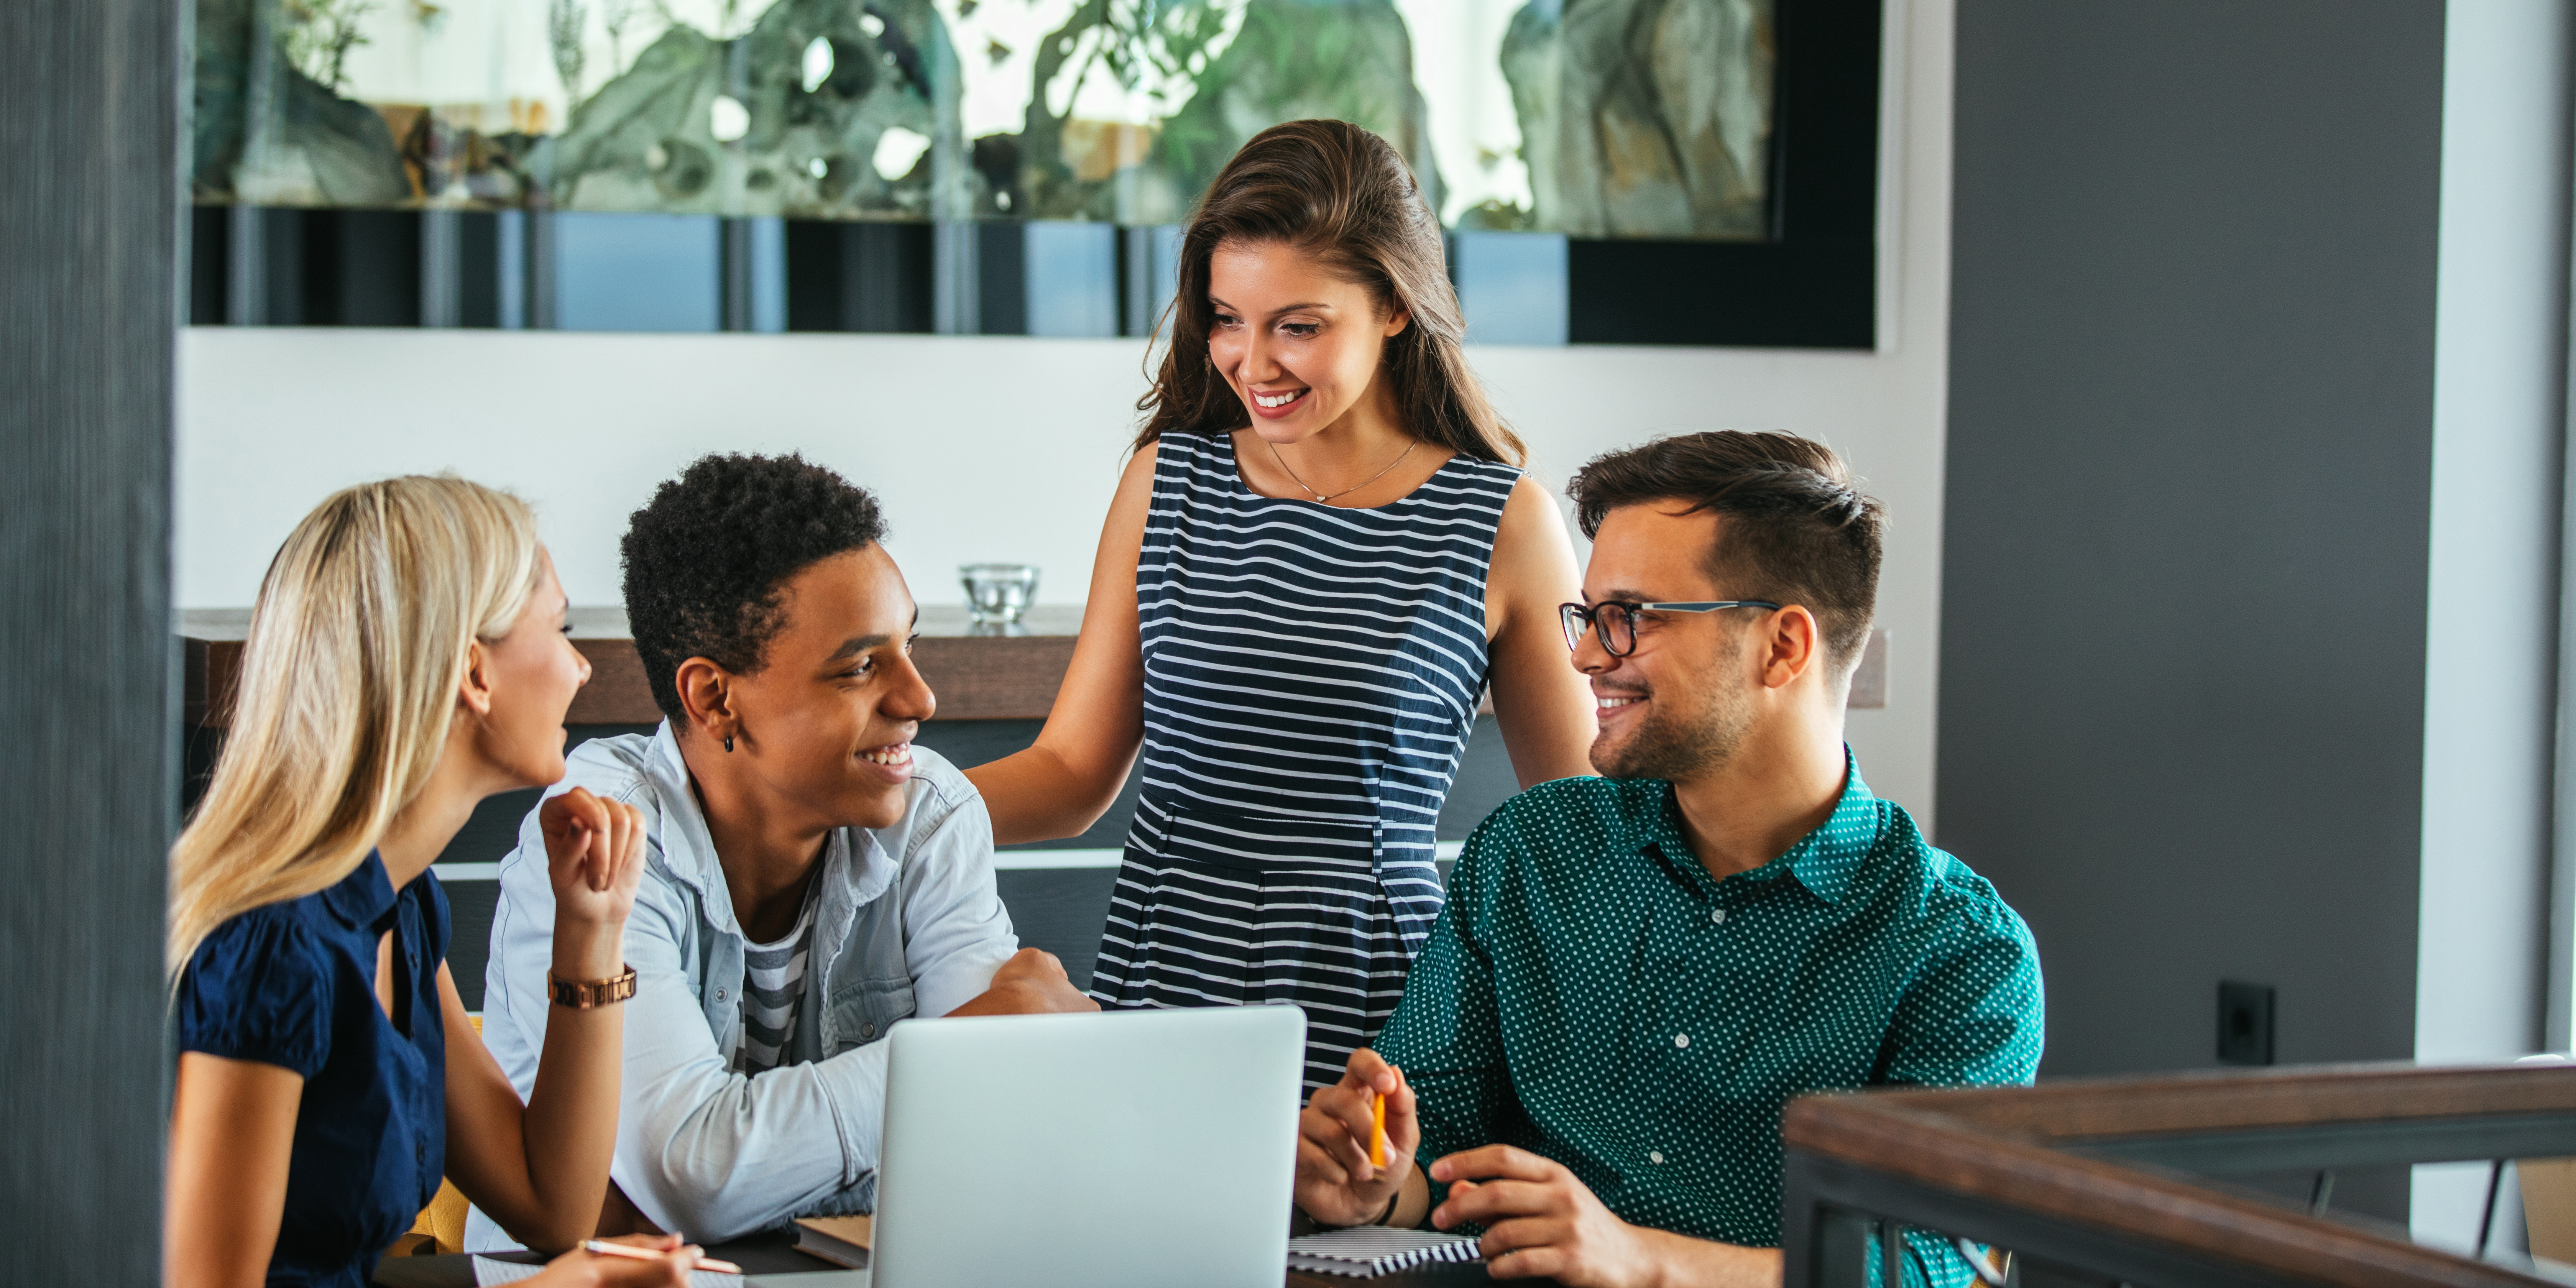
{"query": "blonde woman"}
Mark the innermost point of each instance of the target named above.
(406, 660)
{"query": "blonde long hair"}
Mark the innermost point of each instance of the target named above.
(348, 684)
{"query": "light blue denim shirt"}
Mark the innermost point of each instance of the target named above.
(907, 922)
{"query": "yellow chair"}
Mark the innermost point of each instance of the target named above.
(2549, 1196)
(443, 1221)
(441, 1227)
(2549, 1206)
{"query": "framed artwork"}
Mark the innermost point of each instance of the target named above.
(1611, 171)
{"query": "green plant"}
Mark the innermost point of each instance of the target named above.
(614, 17)
(564, 20)
(317, 35)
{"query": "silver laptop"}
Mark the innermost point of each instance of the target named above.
(1136, 1149)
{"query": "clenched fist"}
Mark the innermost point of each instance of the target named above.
(594, 858)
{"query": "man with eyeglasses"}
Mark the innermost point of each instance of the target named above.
(1636, 972)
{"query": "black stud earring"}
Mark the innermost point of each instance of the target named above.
(728, 742)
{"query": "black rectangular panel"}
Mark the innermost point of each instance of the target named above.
(1060, 910)
(470, 905)
(478, 268)
(1750, 294)
(361, 267)
(276, 268)
(1001, 279)
(847, 276)
(208, 263)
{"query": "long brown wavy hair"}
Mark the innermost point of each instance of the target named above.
(1341, 194)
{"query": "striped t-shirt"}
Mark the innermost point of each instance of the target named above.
(773, 980)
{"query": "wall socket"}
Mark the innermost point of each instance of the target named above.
(2244, 1022)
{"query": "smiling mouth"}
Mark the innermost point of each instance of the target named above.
(1272, 402)
(894, 755)
(1614, 702)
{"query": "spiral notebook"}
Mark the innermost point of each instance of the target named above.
(1371, 1250)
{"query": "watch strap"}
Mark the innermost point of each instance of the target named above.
(591, 994)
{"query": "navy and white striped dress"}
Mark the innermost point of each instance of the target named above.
(1311, 676)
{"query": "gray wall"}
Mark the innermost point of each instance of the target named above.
(89, 201)
(2183, 634)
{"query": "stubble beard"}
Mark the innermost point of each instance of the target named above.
(1677, 744)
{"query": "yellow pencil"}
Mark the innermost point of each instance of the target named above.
(1377, 1131)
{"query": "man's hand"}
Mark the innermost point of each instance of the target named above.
(1336, 1183)
(1032, 982)
(1541, 1221)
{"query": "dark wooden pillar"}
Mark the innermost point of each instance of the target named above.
(89, 131)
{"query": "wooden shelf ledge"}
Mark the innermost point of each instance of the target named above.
(977, 677)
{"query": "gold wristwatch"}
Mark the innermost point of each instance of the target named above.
(584, 995)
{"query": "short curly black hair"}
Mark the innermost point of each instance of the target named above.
(707, 557)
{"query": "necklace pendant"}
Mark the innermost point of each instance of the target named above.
(1325, 499)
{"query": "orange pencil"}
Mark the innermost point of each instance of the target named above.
(1377, 1131)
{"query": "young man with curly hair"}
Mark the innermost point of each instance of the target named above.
(1636, 972)
(813, 876)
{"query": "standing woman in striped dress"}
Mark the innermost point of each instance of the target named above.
(1321, 555)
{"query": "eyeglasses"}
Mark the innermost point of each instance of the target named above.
(1617, 622)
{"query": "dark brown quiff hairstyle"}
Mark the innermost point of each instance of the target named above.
(1796, 529)
(1339, 193)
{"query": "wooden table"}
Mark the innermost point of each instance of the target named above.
(763, 1257)
(773, 1259)
(977, 676)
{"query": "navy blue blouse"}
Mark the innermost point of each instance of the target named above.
(293, 985)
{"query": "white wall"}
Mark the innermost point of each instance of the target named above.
(2491, 651)
(1002, 448)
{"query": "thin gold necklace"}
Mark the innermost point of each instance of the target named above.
(1323, 497)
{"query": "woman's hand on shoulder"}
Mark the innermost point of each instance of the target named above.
(594, 856)
(582, 1269)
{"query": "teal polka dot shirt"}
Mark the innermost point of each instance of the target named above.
(1593, 995)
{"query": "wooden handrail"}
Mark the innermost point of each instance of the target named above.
(2244, 1100)
(2016, 1150)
